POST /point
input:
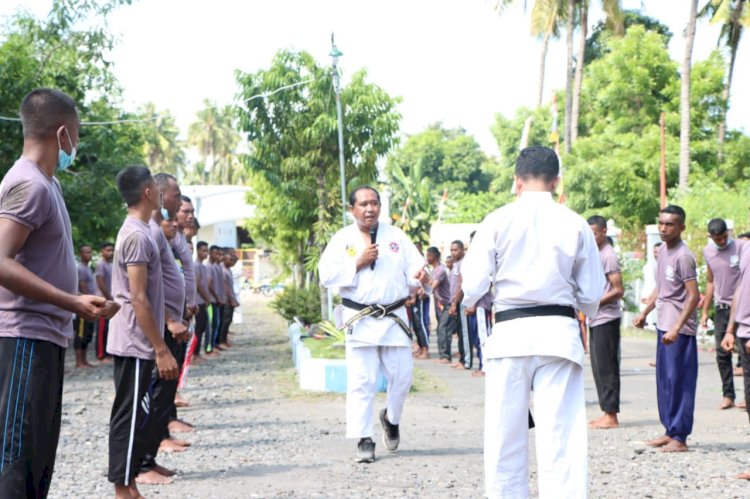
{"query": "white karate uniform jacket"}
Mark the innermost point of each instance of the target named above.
(391, 280)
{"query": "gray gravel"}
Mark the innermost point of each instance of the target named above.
(259, 436)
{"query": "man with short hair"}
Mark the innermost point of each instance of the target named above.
(218, 290)
(38, 293)
(227, 310)
(722, 275)
(103, 279)
(136, 334)
(450, 321)
(203, 297)
(84, 330)
(374, 280)
(604, 331)
(675, 298)
(543, 262)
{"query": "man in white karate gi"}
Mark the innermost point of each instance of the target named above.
(376, 268)
(544, 264)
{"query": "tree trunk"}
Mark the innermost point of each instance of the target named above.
(685, 99)
(575, 108)
(569, 25)
(734, 41)
(542, 65)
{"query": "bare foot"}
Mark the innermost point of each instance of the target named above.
(458, 365)
(741, 405)
(737, 371)
(179, 426)
(167, 445)
(163, 471)
(726, 403)
(106, 360)
(606, 421)
(675, 446)
(443, 361)
(180, 402)
(213, 354)
(652, 363)
(135, 493)
(659, 442)
(153, 478)
(183, 443)
(744, 476)
(83, 365)
(477, 374)
(221, 346)
(198, 360)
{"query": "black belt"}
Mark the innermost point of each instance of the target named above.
(376, 311)
(538, 311)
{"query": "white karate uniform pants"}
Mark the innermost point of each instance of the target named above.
(361, 376)
(561, 433)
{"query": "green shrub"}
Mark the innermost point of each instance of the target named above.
(301, 303)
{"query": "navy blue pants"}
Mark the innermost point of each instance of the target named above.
(676, 377)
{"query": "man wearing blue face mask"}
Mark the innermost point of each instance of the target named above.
(38, 294)
(722, 277)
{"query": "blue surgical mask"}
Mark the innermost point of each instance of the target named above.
(721, 248)
(64, 160)
(162, 209)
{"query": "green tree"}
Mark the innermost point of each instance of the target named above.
(413, 206)
(67, 50)
(163, 150)
(451, 158)
(215, 136)
(293, 149)
(734, 16)
(597, 43)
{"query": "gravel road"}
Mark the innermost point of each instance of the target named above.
(259, 436)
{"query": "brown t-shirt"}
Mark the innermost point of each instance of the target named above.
(674, 268)
(31, 198)
(135, 246)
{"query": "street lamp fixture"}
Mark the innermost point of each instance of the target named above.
(335, 54)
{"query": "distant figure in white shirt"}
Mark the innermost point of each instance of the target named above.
(376, 268)
(544, 264)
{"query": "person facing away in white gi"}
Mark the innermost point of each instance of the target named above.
(376, 268)
(543, 261)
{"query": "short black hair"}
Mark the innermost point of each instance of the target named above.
(657, 244)
(186, 199)
(717, 226)
(353, 194)
(162, 179)
(44, 110)
(106, 244)
(537, 162)
(80, 248)
(201, 244)
(673, 209)
(131, 181)
(458, 243)
(197, 225)
(213, 247)
(433, 250)
(744, 235)
(598, 221)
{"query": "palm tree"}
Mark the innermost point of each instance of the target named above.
(613, 11)
(545, 19)
(685, 98)
(734, 16)
(216, 138)
(163, 150)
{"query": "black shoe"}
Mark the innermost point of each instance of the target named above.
(391, 436)
(365, 450)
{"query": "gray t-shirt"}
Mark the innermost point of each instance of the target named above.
(134, 246)
(229, 283)
(86, 276)
(443, 290)
(725, 266)
(455, 278)
(31, 198)
(742, 314)
(104, 270)
(201, 282)
(611, 265)
(182, 252)
(218, 277)
(174, 284)
(674, 268)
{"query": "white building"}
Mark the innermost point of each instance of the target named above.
(220, 209)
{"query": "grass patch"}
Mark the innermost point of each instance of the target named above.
(422, 382)
(634, 332)
(325, 348)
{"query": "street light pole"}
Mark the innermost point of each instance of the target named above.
(335, 54)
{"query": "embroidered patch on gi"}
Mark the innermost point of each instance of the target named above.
(351, 250)
(670, 273)
(394, 246)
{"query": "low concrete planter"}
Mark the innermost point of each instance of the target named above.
(321, 375)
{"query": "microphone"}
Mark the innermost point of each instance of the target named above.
(373, 236)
